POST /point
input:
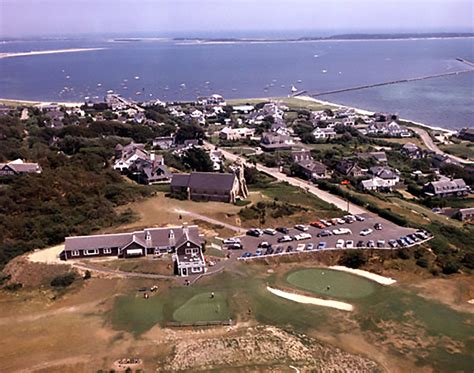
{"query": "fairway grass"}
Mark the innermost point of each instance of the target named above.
(202, 307)
(331, 283)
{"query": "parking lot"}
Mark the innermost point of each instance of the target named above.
(379, 238)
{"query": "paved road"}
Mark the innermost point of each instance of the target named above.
(429, 143)
(305, 185)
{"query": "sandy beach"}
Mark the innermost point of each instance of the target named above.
(14, 102)
(56, 51)
(311, 300)
(369, 275)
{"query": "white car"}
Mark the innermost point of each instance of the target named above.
(302, 236)
(300, 247)
(231, 241)
(349, 244)
(340, 244)
(366, 231)
(301, 227)
(340, 221)
(340, 231)
(270, 231)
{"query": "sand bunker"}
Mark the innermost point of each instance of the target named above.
(371, 276)
(311, 300)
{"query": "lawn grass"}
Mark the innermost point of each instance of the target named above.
(330, 283)
(203, 307)
(427, 331)
(161, 266)
(464, 149)
(291, 102)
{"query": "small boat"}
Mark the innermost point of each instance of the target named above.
(234, 89)
(125, 80)
(99, 84)
(299, 81)
(282, 86)
(86, 98)
(137, 77)
(110, 91)
(316, 55)
(68, 77)
(138, 93)
(294, 89)
(324, 71)
(182, 85)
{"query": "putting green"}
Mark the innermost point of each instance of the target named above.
(202, 307)
(331, 283)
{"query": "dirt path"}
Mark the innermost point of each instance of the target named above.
(211, 220)
(307, 186)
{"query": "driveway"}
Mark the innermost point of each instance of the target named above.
(307, 186)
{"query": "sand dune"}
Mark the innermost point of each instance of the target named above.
(311, 300)
(371, 276)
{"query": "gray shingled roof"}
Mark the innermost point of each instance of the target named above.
(159, 238)
(204, 180)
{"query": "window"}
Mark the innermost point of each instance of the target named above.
(75, 253)
(196, 270)
(91, 252)
(107, 251)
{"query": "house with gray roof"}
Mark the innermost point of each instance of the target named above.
(184, 242)
(18, 167)
(446, 188)
(209, 186)
(273, 142)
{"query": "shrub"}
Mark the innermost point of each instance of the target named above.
(353, 259)
(87, 275)
(63, 281)
(13, 287)
(450, 267)
(404, 254)
(422, 262)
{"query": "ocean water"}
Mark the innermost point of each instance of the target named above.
(178, 71)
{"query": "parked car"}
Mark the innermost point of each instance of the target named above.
(340, 231)
(279, 250)
(324, 233)
(359, 218)
(380, 243)
(270, 231)
(326, 223)
(269, 251)
(300, 247)
(289, 249)
(349, 219)
(393, 243)
(360, 244)
(340, 244)
(349, 244)
(231, 241)
(317, 224)
(254, 232)
(302, 236)
(402, 242)
(285, 239)
(247, 255)
(333, 221)
(340, 221)
(310, 246)
(259, 252)
(409, 240)
(283, 230)
(414, 237)
(322, 245)
(235, 246)
(378, 226)
(365, 232)
(264, 244)
(371, 243)
(301, 227)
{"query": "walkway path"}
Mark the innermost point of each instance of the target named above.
(429, 143)
(305, 185)
(211, 220)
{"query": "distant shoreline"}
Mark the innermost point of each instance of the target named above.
(56, 51)
(15, 102)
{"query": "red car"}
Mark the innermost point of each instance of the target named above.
(317, 224)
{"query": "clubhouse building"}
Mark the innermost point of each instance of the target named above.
(185, 243)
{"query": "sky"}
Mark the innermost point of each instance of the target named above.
(181, 17)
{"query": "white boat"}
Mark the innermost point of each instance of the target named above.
(137, 77)
(68, 77)
(99, 84)
(294, 89)
(299, 81)
(110, 91)
(324, 71)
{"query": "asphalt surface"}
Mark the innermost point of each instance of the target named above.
(309, 187)
(389, 231)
